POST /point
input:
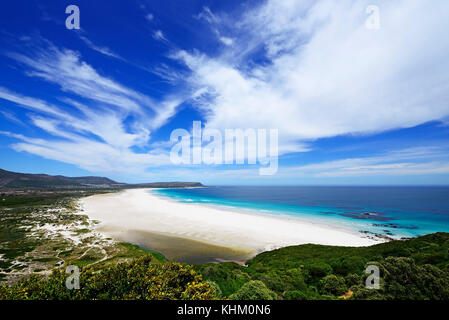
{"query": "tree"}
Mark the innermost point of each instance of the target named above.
(253, 290)
(295, 295)
(403, 279)
(353, 280)
(333, 285)
(319, 270)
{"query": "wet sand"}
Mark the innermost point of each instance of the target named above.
(181, 249)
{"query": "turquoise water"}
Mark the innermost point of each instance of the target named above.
(392, 211)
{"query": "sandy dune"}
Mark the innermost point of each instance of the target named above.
(139, 210)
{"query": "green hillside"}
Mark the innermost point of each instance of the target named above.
(15, 180)
(410, 269)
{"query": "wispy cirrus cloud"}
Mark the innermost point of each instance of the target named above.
(103, 50)
(413, 162)
(216, 23)
(149, 17)
(408, 161)
(100, 133)
(65, 68)
(32, 103)
(11, 117)
(95, 140)
(159, 35)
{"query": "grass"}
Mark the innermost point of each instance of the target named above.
(82, 231)
(134, 251)
(23, 241)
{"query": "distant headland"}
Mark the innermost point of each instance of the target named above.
(15, 180)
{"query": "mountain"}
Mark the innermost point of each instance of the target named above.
(10, 179)
(14, 180)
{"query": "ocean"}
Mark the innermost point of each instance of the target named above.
(395, 212)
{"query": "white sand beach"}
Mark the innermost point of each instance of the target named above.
(137, 211)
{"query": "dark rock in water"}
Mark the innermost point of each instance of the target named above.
(394, 226)
(366, 215)
(377, 236)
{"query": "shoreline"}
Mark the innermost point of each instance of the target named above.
(220, 235)
(263, 213)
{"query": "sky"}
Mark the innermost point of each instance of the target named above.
(352, 104)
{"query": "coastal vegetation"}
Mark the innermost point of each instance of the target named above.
(143, 278)
(409, 269)
(42, 229)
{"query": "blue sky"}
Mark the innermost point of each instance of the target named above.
(352, 105)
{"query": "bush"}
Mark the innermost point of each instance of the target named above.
(403, 279)
(295, 295)
(229, 276)
(353, 280)
(253, 290)
(138, 280)
(333, 285)
(319, 270)
(348, 265)
(216, 287)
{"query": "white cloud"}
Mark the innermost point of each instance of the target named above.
(10, 116)
(65, 68)
(31, 103)
(411, 161)
(159, 35)
(73, 75)
(167, 73)
(216, 22)
(227, 41)
(149, 17)
(101, 134)
(326, 74)
(103, 50)
(95, 141)
(207, 15)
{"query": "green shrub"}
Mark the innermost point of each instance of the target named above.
(217, 291)
(333, 285)
(140, 279)
(318, 270)
(295, 295)
(348, 265)
(253, 290)
(353, 280)
(403, 279)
